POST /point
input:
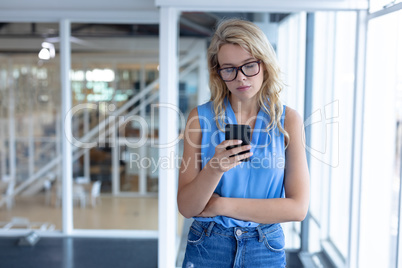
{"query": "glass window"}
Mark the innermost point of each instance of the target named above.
(380, 179)
(340, 120)
(331, 126)
(291, 49)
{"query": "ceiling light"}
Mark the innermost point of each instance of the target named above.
(44, 54)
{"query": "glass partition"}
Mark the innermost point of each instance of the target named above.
(30, 127)
(114, 86)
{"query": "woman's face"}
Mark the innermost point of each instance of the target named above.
(242, 87)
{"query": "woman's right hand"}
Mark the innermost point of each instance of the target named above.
(222, 160)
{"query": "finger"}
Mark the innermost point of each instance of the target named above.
(227, 143)
(240, 149)
(240, 157)
(228, 163)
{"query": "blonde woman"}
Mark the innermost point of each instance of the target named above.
(238, 205)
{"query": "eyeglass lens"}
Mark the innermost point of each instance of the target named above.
(248, 69)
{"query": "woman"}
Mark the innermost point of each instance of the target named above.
(237, 206)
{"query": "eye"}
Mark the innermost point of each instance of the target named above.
(250, 65)
(227, 71)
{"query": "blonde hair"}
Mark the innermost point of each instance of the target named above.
(251, 38)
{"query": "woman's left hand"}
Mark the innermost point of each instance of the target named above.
(210, 209)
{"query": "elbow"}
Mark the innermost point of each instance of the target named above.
(301, 213)
(185, 213)
(183, 209)
(298, 211)
(301, 216)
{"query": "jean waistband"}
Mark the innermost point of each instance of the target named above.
(245, 232)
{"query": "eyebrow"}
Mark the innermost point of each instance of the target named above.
(243, 62)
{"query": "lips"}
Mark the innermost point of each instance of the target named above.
(243, 88)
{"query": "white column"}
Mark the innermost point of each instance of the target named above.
(168, 132)
(357, 154)
(67, 163)
(203, 93)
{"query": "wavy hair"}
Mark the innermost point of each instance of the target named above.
(252, 39)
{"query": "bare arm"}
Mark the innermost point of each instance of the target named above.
(292, 208)
(197, 185)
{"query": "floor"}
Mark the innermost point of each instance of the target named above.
(79, 253)
(130, 213)
(88, 253)
(119, 213)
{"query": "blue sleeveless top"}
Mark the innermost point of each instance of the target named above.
(261, 177)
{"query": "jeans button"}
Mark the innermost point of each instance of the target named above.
(238, 232)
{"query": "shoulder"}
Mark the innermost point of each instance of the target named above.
(192, 120)
(206, 108)
(292, 119)
(200, 110)
(192, 132)
(205, 114)
(294, 127)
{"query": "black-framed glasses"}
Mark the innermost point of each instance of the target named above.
(249, 69)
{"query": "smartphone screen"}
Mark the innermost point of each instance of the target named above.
(238, 132)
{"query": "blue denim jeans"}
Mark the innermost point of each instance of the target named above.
(211, 245)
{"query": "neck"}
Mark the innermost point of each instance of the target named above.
(247, 107)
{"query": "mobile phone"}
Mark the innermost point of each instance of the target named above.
(238, 132)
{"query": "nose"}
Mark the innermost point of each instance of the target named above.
(240, 76)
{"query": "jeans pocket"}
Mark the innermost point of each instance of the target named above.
(196, 234)
(275, 241)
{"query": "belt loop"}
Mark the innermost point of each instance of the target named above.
(209, 230)
(260, 234)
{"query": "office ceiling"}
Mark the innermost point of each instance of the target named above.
(192, 24)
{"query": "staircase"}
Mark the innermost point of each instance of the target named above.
(105, 129)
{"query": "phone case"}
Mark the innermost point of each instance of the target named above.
(238, 132)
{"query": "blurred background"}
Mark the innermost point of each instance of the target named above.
(342, 66)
